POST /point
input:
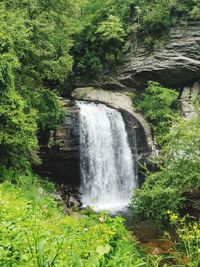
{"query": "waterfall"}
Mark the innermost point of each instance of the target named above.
(106, 161)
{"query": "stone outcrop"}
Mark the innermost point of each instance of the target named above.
(187, 99)
(122, 100)
(177, 63)
(60, 155)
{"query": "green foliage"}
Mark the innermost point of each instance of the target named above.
(34, 55)
(35, 232)
(187, 247)
(8, 63)
(179, 173)
(40, 38)
(49, 107)
(154, 16)
(17, 130)
(111, 29)
(13, 32)
(195, 13)
(49, 41)
(157, 105)
(101, 36)
(17, 120)
(90, 62)
(152, 203)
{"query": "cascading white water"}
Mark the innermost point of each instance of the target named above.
(107, 166)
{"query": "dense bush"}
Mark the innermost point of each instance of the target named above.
(152, 203)
(157, 105)
(98, 43)
(17, 130)
(178, 173)
(17, 119)
(36, 231)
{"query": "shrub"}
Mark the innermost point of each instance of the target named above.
(112, 29)
(153, 203)
(187, 248)
(157, 104)
(178, 173)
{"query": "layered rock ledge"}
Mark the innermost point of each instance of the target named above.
(177, 63)
(121, 100)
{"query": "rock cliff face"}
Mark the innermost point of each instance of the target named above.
(60, 155)
(187, 99)
(121, 100)
(176, 64)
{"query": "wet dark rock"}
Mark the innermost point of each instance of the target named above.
(70, 196)
(60, 153)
